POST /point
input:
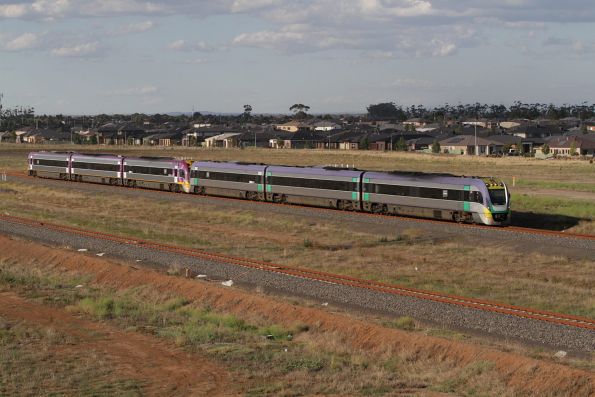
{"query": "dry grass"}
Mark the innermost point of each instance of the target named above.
(37, 361)
(411, 258)
(264, 360)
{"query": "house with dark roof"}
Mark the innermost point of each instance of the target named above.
(572, 145)
(304, 140)
(46, 136)
(535, 131)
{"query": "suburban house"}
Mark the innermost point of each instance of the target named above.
(535, 131)
(226, 140)
(466, 144)
(415, 122)
(566, 145)
(46, 135)
(169, 138)
(6, 136)
(484, 123)
(293, 126)
(304, 140)
(513, 123)
(325, 125)
(22, 131)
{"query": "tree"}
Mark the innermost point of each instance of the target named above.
(584, 129)
(573, 151)
(300, 110)
(280, 143)
(436, 147)
(247, 111)
(365, 143)
(386, 110)
(402, 145)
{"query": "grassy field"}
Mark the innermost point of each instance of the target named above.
(410, 258)
(263, 358)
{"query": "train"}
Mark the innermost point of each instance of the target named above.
(480, 200)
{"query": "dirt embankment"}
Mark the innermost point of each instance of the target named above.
(517, 372)
(165, 371)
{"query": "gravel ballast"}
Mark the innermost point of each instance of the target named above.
(457, 317)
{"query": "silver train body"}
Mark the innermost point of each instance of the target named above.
(438, 196)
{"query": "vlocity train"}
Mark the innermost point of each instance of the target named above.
(439, 196)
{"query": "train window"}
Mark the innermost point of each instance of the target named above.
(95, 166)
(312, 183)
(146, 170)
(416, 191)
(229, 176)
(51, 163)
(476, 197)
(497, 196)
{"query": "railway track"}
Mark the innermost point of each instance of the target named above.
(323, 277)
(508, 229)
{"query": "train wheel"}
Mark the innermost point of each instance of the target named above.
(340, 205)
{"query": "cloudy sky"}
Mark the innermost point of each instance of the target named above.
(107, 56)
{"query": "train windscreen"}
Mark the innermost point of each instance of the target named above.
(497, 196)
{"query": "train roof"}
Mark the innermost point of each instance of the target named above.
(313, 171)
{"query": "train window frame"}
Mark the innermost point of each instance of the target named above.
(223, 176)
(311, 183)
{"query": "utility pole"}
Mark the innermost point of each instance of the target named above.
(1, 96)
(475, 129)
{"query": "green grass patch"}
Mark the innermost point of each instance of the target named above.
(557, 185)
(582, 209)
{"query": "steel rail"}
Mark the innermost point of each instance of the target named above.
(478, 304)
(507, 229)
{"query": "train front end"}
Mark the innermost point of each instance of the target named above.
(497, 203)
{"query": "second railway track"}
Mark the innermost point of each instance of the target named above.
(476, 304)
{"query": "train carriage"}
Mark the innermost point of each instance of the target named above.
(228, 179)
(430, 196)
(325, 187)
(54, 165)
(98, 168)
(156, 173)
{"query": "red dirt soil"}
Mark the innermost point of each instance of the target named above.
(165, 370)
(519, 373)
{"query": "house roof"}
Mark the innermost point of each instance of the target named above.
(468, 140)
(580, 142)
(221, 137)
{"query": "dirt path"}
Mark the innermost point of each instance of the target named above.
(165, 370)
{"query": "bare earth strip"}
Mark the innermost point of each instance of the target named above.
(165, 370)
(520, 374)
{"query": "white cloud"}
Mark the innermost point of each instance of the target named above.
(137, 27)
(183, 45)
(25, 41)
(134, 91)
(78, 51)
(13, 10)
(251, 5)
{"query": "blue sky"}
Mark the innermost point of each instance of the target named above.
(124, 56)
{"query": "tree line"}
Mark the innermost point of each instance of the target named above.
(518, 110)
